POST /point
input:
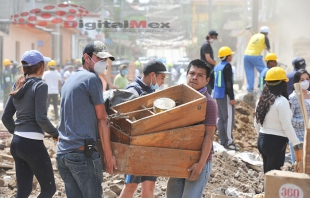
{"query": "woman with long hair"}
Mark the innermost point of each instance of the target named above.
(273, 120)
(303, 77)
(28, 101)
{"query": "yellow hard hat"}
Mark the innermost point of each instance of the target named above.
(52, 63)
(6, 62)
(276, 73)
(271, 57)
(225, 51)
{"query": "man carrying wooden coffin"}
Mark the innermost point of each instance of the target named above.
(154, 73)
(198, 76)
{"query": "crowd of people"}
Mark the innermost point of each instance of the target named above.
(84, 120)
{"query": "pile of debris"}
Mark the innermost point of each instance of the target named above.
(244, 133)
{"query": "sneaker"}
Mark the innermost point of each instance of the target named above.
(231, 146)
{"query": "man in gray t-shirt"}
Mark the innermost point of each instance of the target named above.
(83, 117)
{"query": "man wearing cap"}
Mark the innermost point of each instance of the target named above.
(120, 79)
(252, 55)
(154, 73)
(83, 121)
(7, 79)
(298, 63)
(53, 80)
(206, 52)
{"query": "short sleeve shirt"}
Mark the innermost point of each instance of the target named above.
(79, 96)
(52, 78)
(211, 114)
(206, 49)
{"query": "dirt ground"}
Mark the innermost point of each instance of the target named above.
(228, 173)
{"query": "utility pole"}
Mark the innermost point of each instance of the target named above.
(210, 15)
(255, 8)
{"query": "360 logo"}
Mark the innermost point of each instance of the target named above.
(62, 13)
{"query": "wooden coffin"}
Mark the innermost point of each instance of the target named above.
(152, 161)
(186, 138)
(190, 109)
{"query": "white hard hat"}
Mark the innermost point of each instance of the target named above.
(264, 29)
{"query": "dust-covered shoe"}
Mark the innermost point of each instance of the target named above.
(231, 146)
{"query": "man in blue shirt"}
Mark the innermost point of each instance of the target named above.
(83, 117)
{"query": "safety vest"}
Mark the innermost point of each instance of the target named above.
(256, 45)
(262, 78)
(219, 81)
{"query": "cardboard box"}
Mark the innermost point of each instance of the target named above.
(284, 184)
(190, 109)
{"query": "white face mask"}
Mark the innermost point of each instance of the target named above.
(99, 66)
(211, 40)
(304, 84)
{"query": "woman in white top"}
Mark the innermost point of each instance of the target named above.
(301, 76)
(273, 120)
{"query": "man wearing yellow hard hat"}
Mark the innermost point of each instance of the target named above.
(271, 61)
(7, 80)
(221, 81)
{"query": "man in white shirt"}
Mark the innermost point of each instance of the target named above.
(174, 74)
(68, 73)
(53, 80)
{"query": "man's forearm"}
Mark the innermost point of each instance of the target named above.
(206, 145)
(104, 133)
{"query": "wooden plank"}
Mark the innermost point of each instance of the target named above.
(190, 110)
(151, 161)
(119, 136)
(306, 149)
(180, 116)
(186, 138)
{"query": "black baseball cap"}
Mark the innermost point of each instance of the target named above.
(99, 49)
(299, 63)
(155, 66)
(213, 33)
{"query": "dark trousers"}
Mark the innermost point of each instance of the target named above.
(54, 99)
(272, 148)
(31, 158)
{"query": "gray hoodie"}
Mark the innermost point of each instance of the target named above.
(29, 103)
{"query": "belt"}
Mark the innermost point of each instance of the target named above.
(82, 148)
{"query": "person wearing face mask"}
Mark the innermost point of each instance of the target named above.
(83, 121)
(272, 121)
(206, 52)
(301, 76)
(120, 79)
(222, 81)
(252, 55)
(154, 73)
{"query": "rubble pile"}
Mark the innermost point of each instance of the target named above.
(244, 133)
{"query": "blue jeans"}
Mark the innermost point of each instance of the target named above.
(249, 63)
(182, 188)
(82, 175)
